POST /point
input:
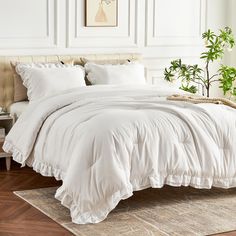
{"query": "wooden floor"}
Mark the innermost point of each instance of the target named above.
(18, 217)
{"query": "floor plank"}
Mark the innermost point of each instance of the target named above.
(18, 218)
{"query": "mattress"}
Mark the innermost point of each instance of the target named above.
(16, 109)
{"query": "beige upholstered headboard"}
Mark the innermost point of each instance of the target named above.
(6, 74)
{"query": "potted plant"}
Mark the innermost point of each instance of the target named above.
(192, 76)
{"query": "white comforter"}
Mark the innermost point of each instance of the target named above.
(104, 142)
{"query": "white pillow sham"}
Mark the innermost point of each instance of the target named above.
(45, 79)
(129, 73)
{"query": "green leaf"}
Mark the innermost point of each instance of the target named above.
(228, 76)
(191, 89)
(215, 45)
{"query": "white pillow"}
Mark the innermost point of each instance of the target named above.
(44, 79)
(130, 73)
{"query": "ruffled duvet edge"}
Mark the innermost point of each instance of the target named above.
(16, 154)
(78, 217)
(47, 170)
(95, 216)
(67, 200)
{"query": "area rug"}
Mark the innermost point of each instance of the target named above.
(166, 212)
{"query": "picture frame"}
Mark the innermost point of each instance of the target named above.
(101, 13)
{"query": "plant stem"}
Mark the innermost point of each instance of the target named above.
(208, 79)
(214, 76)
(194, 81)
(201, 80)
(213, 81)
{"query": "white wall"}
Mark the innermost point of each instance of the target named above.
(161, 30)
(217, 17)
(232, 22)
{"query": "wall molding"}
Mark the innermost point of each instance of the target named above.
(124, 35)
(155, 39)
(49, 40)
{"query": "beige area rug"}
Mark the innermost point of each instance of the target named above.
(152, 212)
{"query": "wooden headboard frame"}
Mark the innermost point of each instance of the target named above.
(6, 74)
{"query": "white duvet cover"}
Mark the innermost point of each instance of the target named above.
(104, 142)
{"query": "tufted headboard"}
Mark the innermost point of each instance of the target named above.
(6, 74)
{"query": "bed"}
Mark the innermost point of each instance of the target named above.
(106, 141)
(17, 108)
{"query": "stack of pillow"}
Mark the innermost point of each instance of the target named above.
(33, 81)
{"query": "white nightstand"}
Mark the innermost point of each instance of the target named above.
(6, 122)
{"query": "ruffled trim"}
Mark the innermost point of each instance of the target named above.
(79, 217)
(47, 170)
(74, 204)
(16, 154)
(159, 181)
(23, 70)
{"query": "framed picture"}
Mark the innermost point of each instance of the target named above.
(100, 13)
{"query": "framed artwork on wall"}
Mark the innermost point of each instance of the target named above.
(101, 13)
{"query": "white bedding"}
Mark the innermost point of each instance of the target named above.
(45, 79)
(17, 108)
(128, 73)
(104, 142)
